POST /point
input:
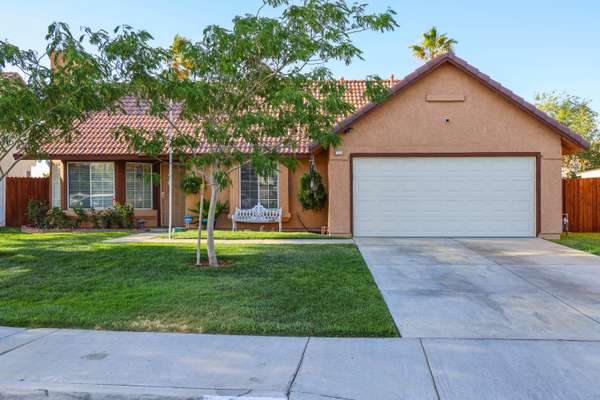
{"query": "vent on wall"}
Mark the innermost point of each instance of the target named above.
(444, 97)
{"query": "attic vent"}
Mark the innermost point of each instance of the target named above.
(445, 97)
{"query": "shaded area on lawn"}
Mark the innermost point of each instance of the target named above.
(589, 242)
(75, 280)
(253, 235)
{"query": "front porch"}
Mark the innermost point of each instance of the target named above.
(293, 217)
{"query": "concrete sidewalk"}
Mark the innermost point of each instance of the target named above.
(153, 237)
(61, 364)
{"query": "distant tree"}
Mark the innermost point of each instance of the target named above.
(432, 45)
(39, 104)
(575, 113)
(262, 82)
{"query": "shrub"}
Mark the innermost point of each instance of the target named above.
(57, 219)
(220, 208)
(123, 215)
(94, 218)
(109, 218)
(36, 213)
(82, 217)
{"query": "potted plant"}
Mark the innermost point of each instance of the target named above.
(220, 209)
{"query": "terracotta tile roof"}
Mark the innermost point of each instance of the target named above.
(11, 75)
(451, 58)
(96, 138)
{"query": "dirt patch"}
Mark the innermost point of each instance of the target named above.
(204, 264)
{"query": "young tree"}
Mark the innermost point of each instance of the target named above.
(40, 104)
(432, 45)
(575, 113)
(251, 90)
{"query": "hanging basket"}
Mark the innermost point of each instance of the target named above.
(312, 194)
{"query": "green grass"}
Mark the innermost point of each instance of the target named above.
(76, 281)
(589, 242)
(240, 235)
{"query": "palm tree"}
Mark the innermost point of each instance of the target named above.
(433, 45)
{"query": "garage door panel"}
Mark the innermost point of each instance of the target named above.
(444, 196)
(448, 188)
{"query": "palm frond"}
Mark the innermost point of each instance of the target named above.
(433, 44)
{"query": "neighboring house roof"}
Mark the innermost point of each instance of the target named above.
(96, 138)
(11, 75)
(590, 173)
(451, 58)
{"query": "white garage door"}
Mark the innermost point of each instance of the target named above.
(444, 196)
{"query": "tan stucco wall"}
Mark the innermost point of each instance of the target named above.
(294, 216)
(20, 169)
(483, 122)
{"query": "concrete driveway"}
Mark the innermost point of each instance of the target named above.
(487, 288)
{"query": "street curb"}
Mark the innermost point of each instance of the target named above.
(51, 394)
(43, 391)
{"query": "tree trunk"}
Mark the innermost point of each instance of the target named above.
(200, 211)
(210, 225)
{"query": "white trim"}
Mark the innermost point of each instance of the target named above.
(55, 178)
(89, 162)
(151, 183)
(258, 183)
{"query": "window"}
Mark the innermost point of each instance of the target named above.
(256, 189)
(91, 184)
(139, 184)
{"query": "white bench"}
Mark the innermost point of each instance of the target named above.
(257, 215)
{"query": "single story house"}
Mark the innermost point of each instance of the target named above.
(451, 152)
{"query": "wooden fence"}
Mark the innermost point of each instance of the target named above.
(18, 193)
(581, 201)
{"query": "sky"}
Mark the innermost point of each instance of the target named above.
(529, 46)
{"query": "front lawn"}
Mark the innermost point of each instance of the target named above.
(76, 281)
(589, 242)
(254, 235)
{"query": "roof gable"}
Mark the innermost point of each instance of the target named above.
(567, 134)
